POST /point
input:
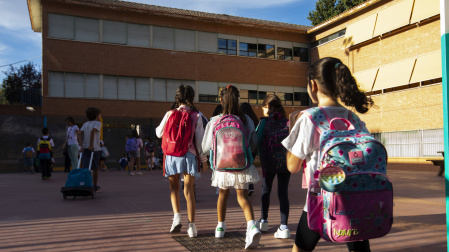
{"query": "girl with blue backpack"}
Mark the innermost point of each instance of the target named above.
(182, 132)
(329, 81)
(230, 138)
(272, 129)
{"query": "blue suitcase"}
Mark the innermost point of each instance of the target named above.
(79, 182)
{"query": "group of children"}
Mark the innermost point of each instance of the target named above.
(296, 140)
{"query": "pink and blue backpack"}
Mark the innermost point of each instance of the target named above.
(230, 145)
(350, 197)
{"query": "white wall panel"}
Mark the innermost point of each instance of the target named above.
(109, 87)
(126, 88)
(92, 86)
(74, 85)
(185, 40)
(163, 38)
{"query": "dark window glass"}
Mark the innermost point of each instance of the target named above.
(301, 99)
(284, 53)
(232, 44)
(227, 46)
(222, 43)
(300, 54)
(329, 38)
(208, 98)
(248, 49)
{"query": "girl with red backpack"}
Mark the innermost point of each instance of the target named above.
(272, 129)
(232, 161)
(329, 82)
(182, 132)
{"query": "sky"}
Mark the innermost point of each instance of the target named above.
(18, 42)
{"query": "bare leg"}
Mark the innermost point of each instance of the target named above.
(131, 165)
(245, 204)
(189, 194)
(95, 177)
(138, 164)
(222, 202)
(174, 193)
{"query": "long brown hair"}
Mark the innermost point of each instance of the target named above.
(231, 105)
(184, 95)
(274, 105)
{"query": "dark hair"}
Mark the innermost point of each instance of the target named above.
(247, 109)
(44, 131)
(149, 139)
(28, 144)
(218, 110)
(274, 104)
(134, 133)
(338, 82)
(92, 113)
(184, 95)
(230, 102)
(70, 119)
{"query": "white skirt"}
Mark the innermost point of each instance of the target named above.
(238, 180)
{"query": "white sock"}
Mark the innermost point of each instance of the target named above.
(191, 224)
(221, 224)
(283, 227)
(251, 223)
(177, 216)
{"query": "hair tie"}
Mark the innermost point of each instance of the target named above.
(228, 86)
(336, 65)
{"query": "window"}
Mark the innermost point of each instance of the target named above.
(262, 95)
(301, 99)
(208, 91)
(247, 49)
(126, 88)
(329, 38)
(56, 84)
(87, 29)
(227, 46)
(159, 90)
(74, 85)
(61, 26)
(185, 40)
(301, 54)
(110, 87)
(265, 51)
(114, 32)
(207, 42)
(208, 98)
(138, 35)
(143, 89)
(249, 96)
(286, 98)
(163, 38)
(284, 53)
(92, 86)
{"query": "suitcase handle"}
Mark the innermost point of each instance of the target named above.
(90, 163)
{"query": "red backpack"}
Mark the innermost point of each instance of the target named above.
(177, 133)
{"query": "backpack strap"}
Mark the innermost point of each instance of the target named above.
(319, 118)
(355, 120)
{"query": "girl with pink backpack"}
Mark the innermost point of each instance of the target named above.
(329, 81)
(182, 132)
(230, 137)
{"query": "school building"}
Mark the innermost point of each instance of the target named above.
(128, 59)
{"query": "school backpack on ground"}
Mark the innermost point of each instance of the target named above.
(44, 148)
(28, 152)
(149, 147)
(131, 145)
(272, 152)
(230, 145)
(177, 132)
(350, 197)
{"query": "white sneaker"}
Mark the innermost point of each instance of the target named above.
(139, 173)
(220, 231)
(282, 234)
(192, 232)
(252, 237)
(176, 226)
(263, 226)
(131, 174)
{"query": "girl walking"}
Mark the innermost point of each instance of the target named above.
(134, 156)
(186, 165)
(329, 80)
(273, 128)
(238, 180)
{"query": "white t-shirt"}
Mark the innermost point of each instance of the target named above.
(304, 139)
(71, 135)
(87, 128)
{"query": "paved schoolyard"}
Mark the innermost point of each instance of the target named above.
(133, 213)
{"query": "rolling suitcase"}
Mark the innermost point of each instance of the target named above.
(79, 182)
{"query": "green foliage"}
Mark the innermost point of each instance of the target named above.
(20, 79)
(326, 9)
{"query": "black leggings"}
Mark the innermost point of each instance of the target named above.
(307, 239)
(283, 180)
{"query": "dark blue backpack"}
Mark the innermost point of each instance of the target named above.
(272, 152)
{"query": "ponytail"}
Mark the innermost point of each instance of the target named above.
(338, 82)
(184, 95)
(231, 106)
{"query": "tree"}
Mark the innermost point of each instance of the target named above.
(20, 79)
(327, 9)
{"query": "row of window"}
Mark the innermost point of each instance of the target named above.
(76, 85)
(329, 38)
(113, 32)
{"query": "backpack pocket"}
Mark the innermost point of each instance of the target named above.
(359, 215)
(315, 218)
(230, 150)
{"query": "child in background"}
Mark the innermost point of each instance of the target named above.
(273, 128)
(247, 109)
(123, 162)
(149, 153)
(89, 140)
(104, 155)
(28, 153)
(187, 165)
(329, 80)
(45, 153)
(238, 180)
